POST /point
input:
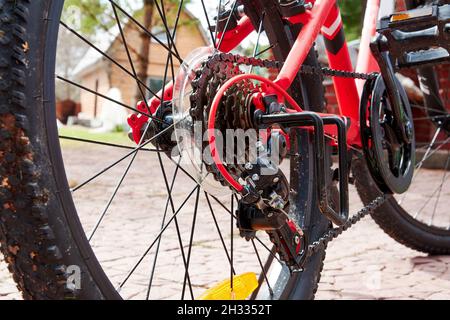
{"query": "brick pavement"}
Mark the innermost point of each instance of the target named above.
(363, 264)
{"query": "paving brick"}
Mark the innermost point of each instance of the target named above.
(364, 263)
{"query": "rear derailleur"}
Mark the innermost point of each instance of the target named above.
(264, 208)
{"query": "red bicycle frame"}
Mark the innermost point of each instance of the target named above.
(324, 18)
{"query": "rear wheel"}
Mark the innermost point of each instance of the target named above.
(45, 215)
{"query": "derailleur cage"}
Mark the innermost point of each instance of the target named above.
(289, 239)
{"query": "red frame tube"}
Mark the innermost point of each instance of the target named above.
(325, 16)
(304, 43)
(232, 38)
(366, 61)
(339, 59)
(322, 16)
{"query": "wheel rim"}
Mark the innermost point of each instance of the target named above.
(424, 202)
(171, 211)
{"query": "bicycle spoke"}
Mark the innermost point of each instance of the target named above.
(138, 82)
(434, 151)
(265, 50)
(168, 188)
(177, 226)
(433, 141)
(101, 143)
(111, 199)
(180, 7)
(255, 50)
(152, 273)
(213, 39)
(87, 9)
(134, 152)
(121, 67)
(191, 239)
(262, 268)
(119, 184)
(148, 33)
(218, 230)
(419, 166)
(269, 250)
(139, 261)
(216, 31)
(431, 118)
(130, 60)
(236, 197)
(107, 98)
(424, 145)
(256, 237)
(162, 14)
(426, 203)
(221, 204)
(266, 268)
(115, 163)
(176, 168)
(440, 188)
(427, 108)
(227, 23)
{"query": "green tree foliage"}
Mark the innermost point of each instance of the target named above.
(352, 14)
(97, 15)
(93, 14)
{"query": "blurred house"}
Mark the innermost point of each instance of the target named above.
(99, 74)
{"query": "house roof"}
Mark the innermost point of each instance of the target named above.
(92, 57)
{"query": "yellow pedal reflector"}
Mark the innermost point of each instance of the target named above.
(243, 287)
(412, 14)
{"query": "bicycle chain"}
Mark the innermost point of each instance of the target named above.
(332, 234)
(211, 66)
(273, 64)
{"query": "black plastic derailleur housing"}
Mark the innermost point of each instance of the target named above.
(265, 208)
(289, 239)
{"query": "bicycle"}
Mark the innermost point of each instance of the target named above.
(372, 135)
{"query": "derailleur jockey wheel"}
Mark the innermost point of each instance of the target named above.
(390, 160)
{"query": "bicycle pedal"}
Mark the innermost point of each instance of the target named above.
(417, 37)
(243, 287)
